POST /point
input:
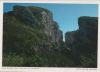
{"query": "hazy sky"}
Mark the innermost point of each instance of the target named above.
(66, 15)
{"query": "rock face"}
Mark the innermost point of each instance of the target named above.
(84, 40)
(35, 16)
(71, 37)
(31, 37)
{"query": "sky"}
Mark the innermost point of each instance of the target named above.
(66, 15)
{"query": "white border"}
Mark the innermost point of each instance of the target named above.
(64, 1)
(55, 1)
(1, 32)
(46, 69)
(99, 38)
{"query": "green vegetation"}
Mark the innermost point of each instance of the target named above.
(26, 45)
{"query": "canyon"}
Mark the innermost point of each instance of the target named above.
(32, 38)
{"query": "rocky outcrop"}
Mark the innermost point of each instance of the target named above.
(71, 37)
(35, 16)
(83, 42)
(87, 33)
(31, 38)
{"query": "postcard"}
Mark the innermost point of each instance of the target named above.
(39, 36)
